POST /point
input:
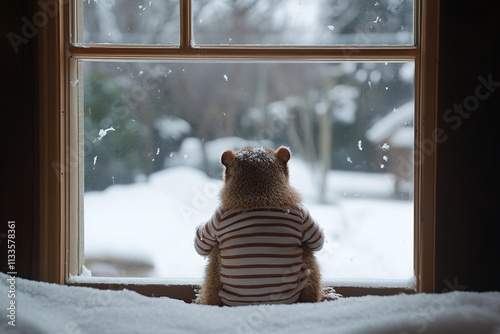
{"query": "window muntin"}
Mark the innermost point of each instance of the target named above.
(263, 22)
(154, 132)
(117, 52)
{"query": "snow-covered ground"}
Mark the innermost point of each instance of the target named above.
(51, 308)
(369, 234)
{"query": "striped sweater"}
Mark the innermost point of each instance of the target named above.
(261, 253)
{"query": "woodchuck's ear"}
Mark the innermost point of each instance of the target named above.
(227, 158)
(283, 154)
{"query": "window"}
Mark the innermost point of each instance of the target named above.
(155, 96)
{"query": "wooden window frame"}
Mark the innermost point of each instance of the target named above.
(60, 168)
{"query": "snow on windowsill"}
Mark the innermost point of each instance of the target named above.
(335, 282)
(132, 280)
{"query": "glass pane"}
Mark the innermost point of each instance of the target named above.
(298, 22)
(154, 134)
(128, 22)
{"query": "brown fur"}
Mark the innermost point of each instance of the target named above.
(252, 182)
(313, 291)
(209, 292)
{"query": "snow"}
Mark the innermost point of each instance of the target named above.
(402, 137)
(369, 235)
(50, 308)
(385, 128)
(407, 72)
(345, 99)
(85, 272)
(103, 132)
(172, 127)
(359, 145)
(137, 220)
(190, 147)
(258, 154)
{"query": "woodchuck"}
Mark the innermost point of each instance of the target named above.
(261, 239)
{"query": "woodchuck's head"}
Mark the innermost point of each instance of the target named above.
(257, 178)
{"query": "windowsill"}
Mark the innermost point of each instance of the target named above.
(132, 280)
(343, 282)
(186, 289)
(372, 283)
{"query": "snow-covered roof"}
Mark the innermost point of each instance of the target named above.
(391, 128)
(402, 137)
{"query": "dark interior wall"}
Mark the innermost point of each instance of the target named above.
(18, 185)
(468, 161)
